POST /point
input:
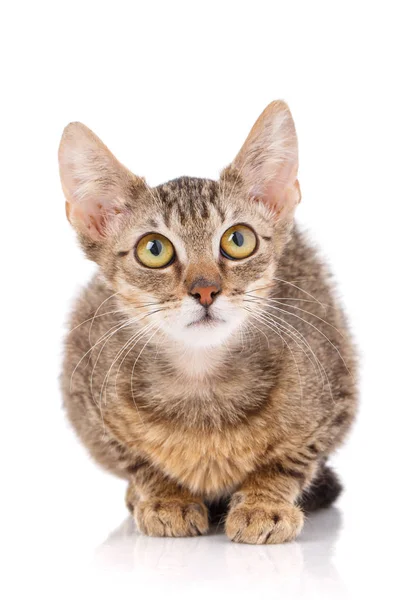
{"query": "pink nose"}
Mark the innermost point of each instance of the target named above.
(205, 293)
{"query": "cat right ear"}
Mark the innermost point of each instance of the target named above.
(96, 186)
(268, 160)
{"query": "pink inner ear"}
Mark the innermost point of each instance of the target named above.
(268, 160)
(94, 217)
(281, 193)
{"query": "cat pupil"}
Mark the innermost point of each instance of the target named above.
(155, 247)
(238, 238)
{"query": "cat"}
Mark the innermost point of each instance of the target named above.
(208, 361)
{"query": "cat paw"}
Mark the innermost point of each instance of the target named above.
(261, 523)
(171, 517)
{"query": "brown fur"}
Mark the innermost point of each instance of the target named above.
(250, 421)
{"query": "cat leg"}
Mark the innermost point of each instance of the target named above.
(263, 509)
(161, 507)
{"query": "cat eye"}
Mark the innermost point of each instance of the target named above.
(238, 242)
(155, 251)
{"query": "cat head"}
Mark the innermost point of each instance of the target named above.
(189, 255)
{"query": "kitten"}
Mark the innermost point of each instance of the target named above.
(208, 360)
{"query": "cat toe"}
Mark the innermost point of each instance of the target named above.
(171, 518)
(263, 523)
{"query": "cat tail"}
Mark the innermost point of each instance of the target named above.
(323, 491)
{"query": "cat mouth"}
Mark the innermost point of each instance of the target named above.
(207, 320)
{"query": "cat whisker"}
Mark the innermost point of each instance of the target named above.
(267, 287)
(111, 312)
(109, 332)
(316, 363)
(137, 358)
(120, 351)
(97, 310)
(289, 329)
(292, 299)
(120, 310)
(132, 340)
(129, 348)
(294, 334)
(318, 330)
(308, 313)
(287, 345)
(136, 337)
(267, 300)
(264, 287)
(243, 329)
(105, 337)
(97, 359)
(130, 344)
(300, 289)
(267, 338)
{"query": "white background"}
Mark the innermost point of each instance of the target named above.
(173, 88)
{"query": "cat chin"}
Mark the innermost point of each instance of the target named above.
(207, 335)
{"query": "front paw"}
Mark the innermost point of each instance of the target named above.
(260, 522)
(171, 517)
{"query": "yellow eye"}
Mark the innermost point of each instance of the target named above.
(155, 251)
(238, 242)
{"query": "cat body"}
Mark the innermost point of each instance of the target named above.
(208, 359)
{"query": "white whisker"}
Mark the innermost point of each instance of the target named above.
(316, 329)
(270, 326)
(294, 334)
(97, 310)
(137, 358)
(299, 288)
(111, 312)
(109, 333)
(135, 320)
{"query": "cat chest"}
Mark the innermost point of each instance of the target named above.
(208, 437)
(209, 464)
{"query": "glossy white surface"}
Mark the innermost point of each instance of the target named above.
(70, 549)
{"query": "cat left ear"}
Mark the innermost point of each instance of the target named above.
(96, 186)
(268, 161)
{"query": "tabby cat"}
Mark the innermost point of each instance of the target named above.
(208, 360)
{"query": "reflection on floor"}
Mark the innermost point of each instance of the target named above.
(304, 567)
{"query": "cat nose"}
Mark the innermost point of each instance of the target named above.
(205, 291)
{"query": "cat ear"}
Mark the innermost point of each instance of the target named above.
(96, 186)
(268, 161)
